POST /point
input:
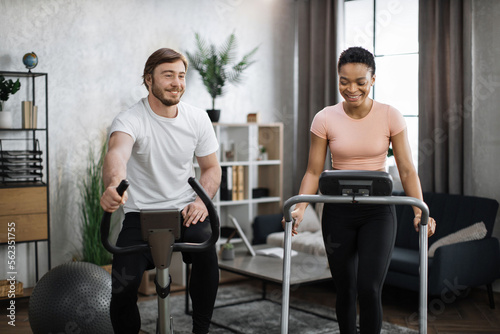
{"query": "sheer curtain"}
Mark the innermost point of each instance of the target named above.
(318, 34)
(445, 94)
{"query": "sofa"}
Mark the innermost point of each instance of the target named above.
(462, 252)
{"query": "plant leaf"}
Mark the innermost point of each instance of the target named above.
(216, 64)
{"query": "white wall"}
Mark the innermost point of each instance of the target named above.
(94, 52)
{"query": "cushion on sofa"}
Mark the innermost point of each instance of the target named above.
(308, 240)
(451, 212)
(474, 232)
(263, 225)
(310, 221)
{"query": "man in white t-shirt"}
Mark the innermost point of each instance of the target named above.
(152, 144)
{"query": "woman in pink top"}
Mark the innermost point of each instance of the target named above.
(359, 238)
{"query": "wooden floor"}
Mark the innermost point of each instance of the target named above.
(469, 313)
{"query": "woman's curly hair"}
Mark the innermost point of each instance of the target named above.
(357, 55)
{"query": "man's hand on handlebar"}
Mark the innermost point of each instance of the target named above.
(111, 201)
(194, 212)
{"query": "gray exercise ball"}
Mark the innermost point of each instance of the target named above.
(72, 298)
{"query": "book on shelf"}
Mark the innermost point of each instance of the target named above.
(234, 172)
(226, 185)
(241, 183)
(34, 117)
(232, 186)
(26, 107)
(29, 115)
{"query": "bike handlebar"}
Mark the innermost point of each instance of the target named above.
(181, 246)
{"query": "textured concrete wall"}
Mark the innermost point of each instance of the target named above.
(94, 52)
(486, 101)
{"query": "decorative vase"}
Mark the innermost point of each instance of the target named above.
(5, 119)
(214, 115)
(227, 254)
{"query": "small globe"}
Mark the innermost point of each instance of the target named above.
(30, 60)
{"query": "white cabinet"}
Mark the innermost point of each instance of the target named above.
(252, 181)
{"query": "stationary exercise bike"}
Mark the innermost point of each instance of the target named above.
(160, 229)
(356, 187)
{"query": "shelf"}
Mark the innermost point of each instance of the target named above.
(19, 130)
(267, 162)
(22, 197)
(22, 184)
(249, 201)
(247, 163)
(266, 199)
(231, 203)
(26, 294)
(233, 163)
(28, 74)
(25, 241)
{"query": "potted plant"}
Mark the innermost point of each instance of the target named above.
(227, 251)
(216, 67)
(7, 87)
(91, 189)
(227, 248)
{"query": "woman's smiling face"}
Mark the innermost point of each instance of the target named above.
(355, 82)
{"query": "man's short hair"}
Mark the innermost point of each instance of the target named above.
(160, 56)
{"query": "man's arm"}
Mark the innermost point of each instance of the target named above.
(210, 181)
(115, 169)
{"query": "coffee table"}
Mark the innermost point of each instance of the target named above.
(305, 268)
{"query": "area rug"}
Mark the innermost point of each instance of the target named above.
(252, 315)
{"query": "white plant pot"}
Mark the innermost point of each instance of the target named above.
(5, 119)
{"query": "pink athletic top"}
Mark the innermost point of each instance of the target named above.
(358, 144)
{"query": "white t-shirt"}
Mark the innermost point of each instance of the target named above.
(162, 156)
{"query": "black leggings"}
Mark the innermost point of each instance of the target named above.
(359, 239)
(128, 271)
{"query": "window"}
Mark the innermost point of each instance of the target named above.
(389, 29)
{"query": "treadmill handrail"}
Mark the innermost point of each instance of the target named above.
(398, 200)
(403, 200)
(182, 246)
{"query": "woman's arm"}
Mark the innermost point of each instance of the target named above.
(309, 185)
(408, 175)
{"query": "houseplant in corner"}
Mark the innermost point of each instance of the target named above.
(217, 67)
(91, 189)
(7, 87)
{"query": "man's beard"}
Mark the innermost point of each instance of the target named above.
(158, 93)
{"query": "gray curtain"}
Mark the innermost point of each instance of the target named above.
(318, 30)
(445, 95)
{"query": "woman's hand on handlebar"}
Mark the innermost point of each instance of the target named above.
(297, 216)
(194, 212)
(431, 225)
(111, 201)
